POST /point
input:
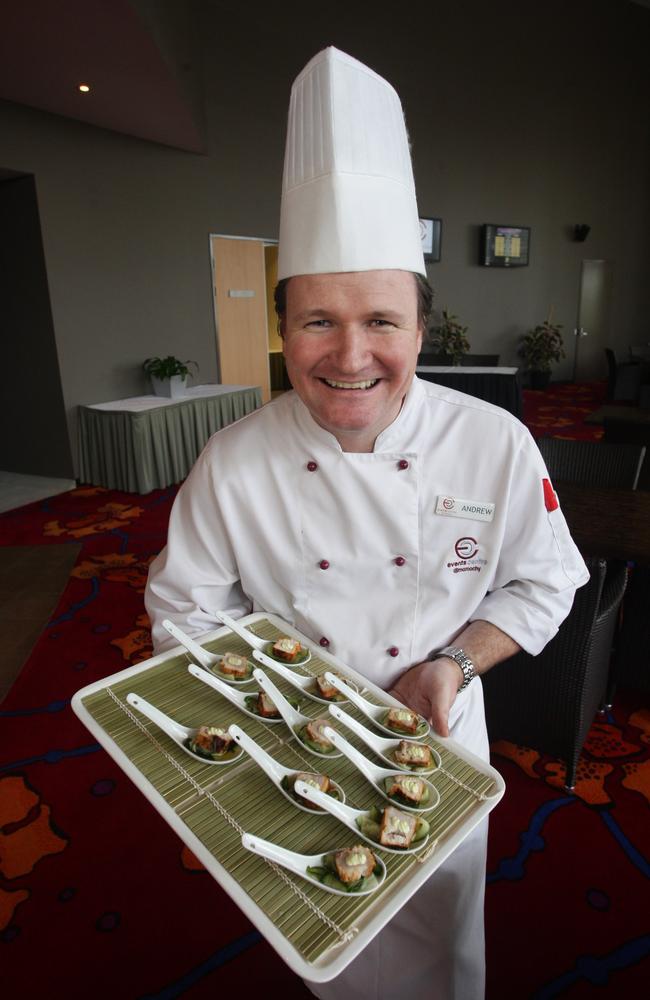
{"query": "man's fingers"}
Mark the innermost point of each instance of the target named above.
(439, 720)
(397, 694)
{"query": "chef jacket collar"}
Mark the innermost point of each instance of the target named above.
(395, 437)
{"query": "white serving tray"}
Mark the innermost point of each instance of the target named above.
(335, 959)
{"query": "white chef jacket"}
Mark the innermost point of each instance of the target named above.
(366, 554)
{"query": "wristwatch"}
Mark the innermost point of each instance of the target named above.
(460, 657)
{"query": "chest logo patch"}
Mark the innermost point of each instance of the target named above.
(474, 510)
(466, 548)
(468, 560)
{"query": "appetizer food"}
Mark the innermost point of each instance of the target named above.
(260, 704)
(312, 736)
(413, 755)
(235, 666)
(403, 720)
(327, 690)
(353, 869)
(320, 781)
(211, 742)
(286, 649)
(407, 789)
(390, 827)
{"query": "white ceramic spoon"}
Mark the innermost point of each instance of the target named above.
(210, 661)
(303, 682)
(274, 770)
(375, 712)
(348, 816)
(201, 655)
(293, 718)
(178, 733)
(238, 698)
(380, 745)
(377, 775)
(254, 640)
(299, 863)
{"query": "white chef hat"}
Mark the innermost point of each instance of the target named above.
(348, 196)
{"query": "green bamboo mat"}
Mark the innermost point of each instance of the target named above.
(218, 803)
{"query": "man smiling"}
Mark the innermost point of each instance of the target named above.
(404, 527)
(351, 343)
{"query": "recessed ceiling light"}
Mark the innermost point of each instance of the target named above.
(84, 88)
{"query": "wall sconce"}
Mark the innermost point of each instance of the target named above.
(580, 232)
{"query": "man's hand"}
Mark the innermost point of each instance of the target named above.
(430, 689)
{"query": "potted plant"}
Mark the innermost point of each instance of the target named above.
(539, 349)
(450, 337)
(168, 375)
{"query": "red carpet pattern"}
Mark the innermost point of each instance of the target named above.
(98, 896)
(560, 410)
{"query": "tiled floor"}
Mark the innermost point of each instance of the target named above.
(16, 489)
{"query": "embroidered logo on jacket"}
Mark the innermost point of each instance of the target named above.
(468, 560)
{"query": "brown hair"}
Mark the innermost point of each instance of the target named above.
(423, 289)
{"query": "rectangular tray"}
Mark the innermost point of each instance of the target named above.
(317, 934)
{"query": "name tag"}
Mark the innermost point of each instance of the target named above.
(474, 510)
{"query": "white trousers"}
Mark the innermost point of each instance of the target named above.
(434, 948)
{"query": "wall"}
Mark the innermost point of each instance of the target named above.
(519, 112)
(34, 439)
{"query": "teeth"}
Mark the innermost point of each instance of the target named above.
(367, 384)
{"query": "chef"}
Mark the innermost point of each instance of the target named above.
(408, 529)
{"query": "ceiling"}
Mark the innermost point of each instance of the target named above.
(136, 55)
(47, 49)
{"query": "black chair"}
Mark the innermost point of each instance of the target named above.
(548, 702)
(479, 360)
(632, 668)
(593, 463)
(623, 378)
(630, 432)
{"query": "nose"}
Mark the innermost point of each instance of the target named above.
(351, 349)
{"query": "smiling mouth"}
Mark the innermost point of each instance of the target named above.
(335, 384)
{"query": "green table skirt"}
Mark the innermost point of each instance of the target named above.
(142, 451)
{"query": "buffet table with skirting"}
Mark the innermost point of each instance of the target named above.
(495, 385)
(149, 442)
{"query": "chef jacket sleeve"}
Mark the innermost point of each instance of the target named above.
(196, 574)
(539, 567)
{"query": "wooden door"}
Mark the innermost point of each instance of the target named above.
(240, 312)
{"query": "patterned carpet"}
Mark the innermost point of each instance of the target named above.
(99, 897)
(560, 410)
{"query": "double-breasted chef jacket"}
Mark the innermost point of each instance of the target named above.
(380, 557)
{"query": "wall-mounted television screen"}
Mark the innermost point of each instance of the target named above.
(504, 246)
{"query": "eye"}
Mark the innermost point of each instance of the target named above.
(379, 324)
(319, 324)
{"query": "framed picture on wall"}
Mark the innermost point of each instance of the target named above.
(431, 235)
(504, 246)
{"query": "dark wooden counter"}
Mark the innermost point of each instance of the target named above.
(614, 524)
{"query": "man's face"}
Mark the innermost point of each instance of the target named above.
(351, 343)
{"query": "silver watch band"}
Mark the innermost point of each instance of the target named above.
(460, 657)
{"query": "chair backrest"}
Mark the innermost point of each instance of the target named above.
(611, 371)
(629, 433)
(593, 463)
(479, 360)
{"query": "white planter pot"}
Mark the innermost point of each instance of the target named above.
(173, 388)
